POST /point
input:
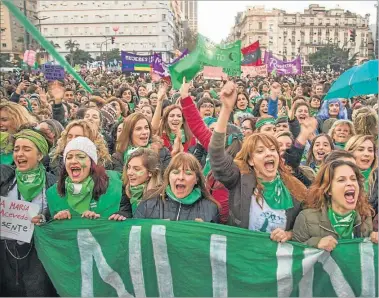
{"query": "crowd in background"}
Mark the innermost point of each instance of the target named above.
(264, 154)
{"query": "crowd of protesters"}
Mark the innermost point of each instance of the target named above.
(264, 154)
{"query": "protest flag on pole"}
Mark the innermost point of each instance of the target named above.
(252, 55)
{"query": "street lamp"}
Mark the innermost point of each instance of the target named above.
(39, 21)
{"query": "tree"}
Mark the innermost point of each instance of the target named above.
(337, 58)
(79, 57)
(189, 40)
(71, 46)
(55, 45)
(110, 55)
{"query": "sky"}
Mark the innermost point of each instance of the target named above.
(216, 18)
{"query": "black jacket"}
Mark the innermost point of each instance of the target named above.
(7, 176)
(164, 158)
(156, 208)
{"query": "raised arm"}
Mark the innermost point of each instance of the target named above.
(158, 110)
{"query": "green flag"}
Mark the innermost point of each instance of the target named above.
(226, 56)
(187, 67)
(151, 258)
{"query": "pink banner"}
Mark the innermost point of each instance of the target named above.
(254, 71)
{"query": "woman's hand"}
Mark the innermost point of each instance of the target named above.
(229, 96)
(162, 92)
(374, 237)
(117, 217)
(64, 214)
(327, 243)
(38, 219)
(178, 146)
(90, 214)
(184, 89)
(57, 92)
(279, 235)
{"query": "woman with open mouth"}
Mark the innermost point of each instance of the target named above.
(243, 104)
(338, 208)
(84, 187)
(263, 195)
(28, 182)
(79, 128)
(127, 95)
(136, 133)
(12, 116)
(365, 153)
(321, 146)
(331, 109)
(141, 174)
(182, 196)
(341, 131)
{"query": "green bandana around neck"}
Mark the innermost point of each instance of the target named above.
(339, 145)
(342, 224)
(136, 195)
(247, 110)
(130, 150)
(31, 183)
(366, 175)
(276, 194)
(132, 106)
(193, 197)
(313, 111)
(79, 195)
(172, 137)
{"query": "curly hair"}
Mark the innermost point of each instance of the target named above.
(17, 114)
(318, 197)
(89, 132)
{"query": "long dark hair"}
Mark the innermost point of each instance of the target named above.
(98, 174)
(257, 107)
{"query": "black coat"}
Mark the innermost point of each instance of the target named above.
(156, 208)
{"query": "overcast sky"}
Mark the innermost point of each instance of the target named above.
(215, 18)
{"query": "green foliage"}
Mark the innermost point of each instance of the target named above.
(71, 45)
(110, 55)
(189, 40)
(337, 58)
(79, 57)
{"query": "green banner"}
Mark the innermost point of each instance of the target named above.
(150, 258)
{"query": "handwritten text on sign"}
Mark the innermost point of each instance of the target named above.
(53, 72)
(254, 71)
(16, 218)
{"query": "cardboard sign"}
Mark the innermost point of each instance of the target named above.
(254, 71)
(214, 73)
(16, 216)
(53, 72)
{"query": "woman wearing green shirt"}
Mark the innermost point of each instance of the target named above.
(84, 188)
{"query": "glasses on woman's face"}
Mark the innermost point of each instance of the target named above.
(207, 106)
(244, 128)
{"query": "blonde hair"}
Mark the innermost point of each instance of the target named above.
(151, 162)
(17, 114)
(341, 122)
(365, 121)
(356, 141)
(296, 188)
(183, 160)
(89, 131)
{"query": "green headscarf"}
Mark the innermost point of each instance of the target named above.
(342, 224)
(366, 175)
(172, 137)
(34, 137)
(79, 195)
(31, 183)
(130, 150)
(264, 121)
(194, 196)
(276, 194)
(136, 195)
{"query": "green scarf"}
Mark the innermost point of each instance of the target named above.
(136, 192)
(342, 224)
(6, 159)
(30, 183)
(130, 150)
(247, 110)
(172, 137)
(276, 194)
(194, 196)
(313, 111)
(79, 195)
(340, 145)
(132, 106)
(366, 175)
(207, 167)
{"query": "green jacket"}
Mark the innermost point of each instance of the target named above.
(107, 204)
(311, 225)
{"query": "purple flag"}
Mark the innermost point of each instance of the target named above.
(282, 67)
(161, 68)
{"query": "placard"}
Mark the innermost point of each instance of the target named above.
(53, 72)
(254, 71)
(16, 216)
(214, 73)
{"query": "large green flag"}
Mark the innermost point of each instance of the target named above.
(226, 56)
(162, 258)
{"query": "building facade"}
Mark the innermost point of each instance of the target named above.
(12, 34)
(190, 11)
(288, 35)
(138, 26)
